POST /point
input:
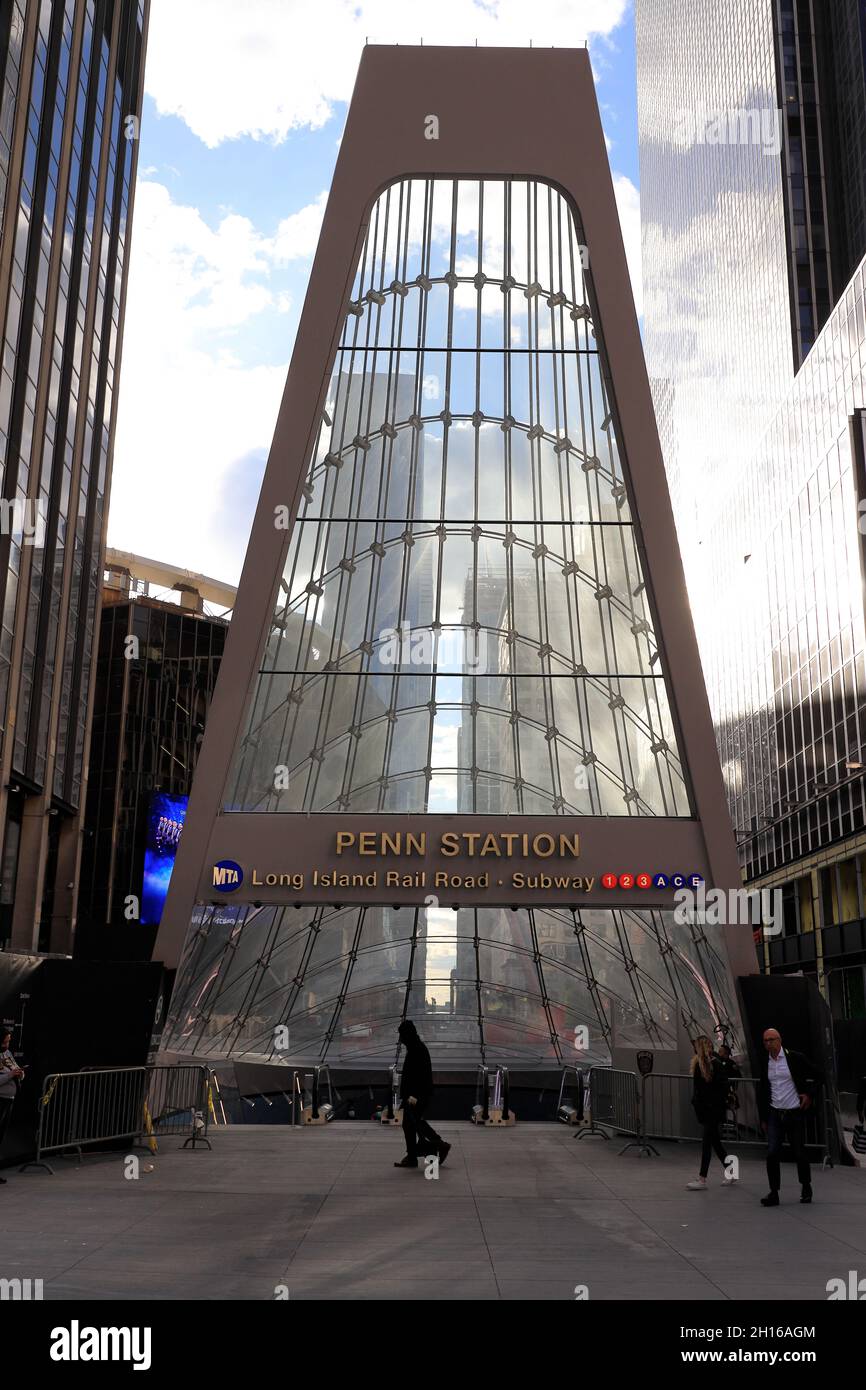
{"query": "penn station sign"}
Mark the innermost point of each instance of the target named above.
(487, 864)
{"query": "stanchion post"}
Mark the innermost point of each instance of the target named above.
(641, 1143)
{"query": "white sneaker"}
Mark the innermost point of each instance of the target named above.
(697, 1185)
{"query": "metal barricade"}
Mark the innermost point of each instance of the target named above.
(215, 1100)
(669, 1114)
(742, 1123)
(319, 1111)
(658, 1106)
(614, 1102)
(78, 1109)
(481, 1108)
(297, 1097)
(392, 1109)
(492, 1104)
(668, 1111)
(502, 1114)
(179, 1100)
(568, 1113)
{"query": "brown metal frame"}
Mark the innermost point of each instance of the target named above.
(503, 113)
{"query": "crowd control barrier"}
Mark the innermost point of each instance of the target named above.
(308, 1107)
(393, 1114)
(613, 1099)
(79, 1109)
(492, 1106)
(570, 1105)
(658, 1106)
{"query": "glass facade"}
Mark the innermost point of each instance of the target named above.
(789, 671)
(71, 86)
(763, 456)
(482, 984)
(149, 715)
(848, 73)
(463, 624)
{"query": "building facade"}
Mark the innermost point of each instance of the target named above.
(156, 668)
(756, 346)
(459, 757)
(70, 88)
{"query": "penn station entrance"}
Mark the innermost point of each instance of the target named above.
(460, 759)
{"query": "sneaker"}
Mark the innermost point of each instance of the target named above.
(444, 1151)
(407, 1163)
(771, 1200)
(806, 1194)
(4, 1180)
(697, 1185)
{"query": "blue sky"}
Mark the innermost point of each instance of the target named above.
(235, 161)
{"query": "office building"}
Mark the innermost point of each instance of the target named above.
(752, 202)
(157, 662)
(70, 101)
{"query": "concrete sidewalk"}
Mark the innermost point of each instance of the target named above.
(523, 1213)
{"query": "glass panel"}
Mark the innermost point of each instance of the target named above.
(480, 983)
(465, 516)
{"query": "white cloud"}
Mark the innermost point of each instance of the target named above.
(267, 67)
(298, 234)
(192, 411)
(189, 408)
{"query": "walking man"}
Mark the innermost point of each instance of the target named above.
(785, 1092)
(416, 1090)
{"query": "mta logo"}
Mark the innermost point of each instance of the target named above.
(227, 876)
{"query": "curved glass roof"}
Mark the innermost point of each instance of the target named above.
(462, 621)
(482, 984)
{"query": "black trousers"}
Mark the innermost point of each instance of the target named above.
(790, 1125)
(416, 1129)
(5, 1117)
(711, 1144)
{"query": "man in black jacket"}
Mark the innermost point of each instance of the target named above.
(416, 1090)
(786, 1090)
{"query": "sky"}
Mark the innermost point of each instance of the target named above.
(243, 113)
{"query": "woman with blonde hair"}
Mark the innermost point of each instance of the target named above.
(709, 1098)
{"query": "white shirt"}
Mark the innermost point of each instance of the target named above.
(783, 1092)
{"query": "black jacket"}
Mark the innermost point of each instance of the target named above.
(729, 1067)
(709, 1098)
(417, 1075)
(805, 1074)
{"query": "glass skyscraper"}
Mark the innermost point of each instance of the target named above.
(463, 644)
(70, 98)
(753, 243)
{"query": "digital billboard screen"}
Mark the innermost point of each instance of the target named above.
(164, 826)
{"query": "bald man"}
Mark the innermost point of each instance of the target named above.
(786, 1091)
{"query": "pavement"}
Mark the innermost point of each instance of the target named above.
(521, 1213)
